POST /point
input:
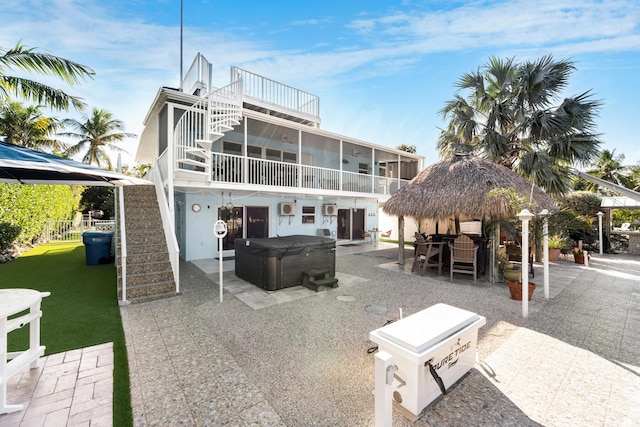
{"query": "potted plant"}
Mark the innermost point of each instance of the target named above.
(578, 255)
(515, 288)
(556, 244)
(507, 268)
(513, 276)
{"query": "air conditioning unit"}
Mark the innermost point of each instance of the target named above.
(287, 208)
(329, 210)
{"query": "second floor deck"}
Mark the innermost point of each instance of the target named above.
(247, 172)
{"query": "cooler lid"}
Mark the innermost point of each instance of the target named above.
(428, 327)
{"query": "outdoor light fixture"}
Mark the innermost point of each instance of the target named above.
(229, 204)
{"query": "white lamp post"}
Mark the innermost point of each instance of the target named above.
(220, 231)
(525, 216)
(545, 232)
(600, 214)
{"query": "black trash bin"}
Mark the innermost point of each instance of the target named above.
(97, 247)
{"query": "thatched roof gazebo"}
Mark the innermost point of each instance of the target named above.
(458, 186)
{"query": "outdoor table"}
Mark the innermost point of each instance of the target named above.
(12, 302)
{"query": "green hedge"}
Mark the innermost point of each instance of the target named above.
(31, 206)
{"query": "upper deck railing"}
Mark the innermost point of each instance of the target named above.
(275, 93)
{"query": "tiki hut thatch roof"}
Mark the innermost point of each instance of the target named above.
(458, 186)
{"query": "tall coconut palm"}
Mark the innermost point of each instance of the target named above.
(97, 133)
(29, 60)
(512, 115)
(28, 127)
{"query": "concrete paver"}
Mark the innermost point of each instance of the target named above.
(66, 389)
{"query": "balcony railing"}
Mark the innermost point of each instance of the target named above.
(272, 92)
(235, 169)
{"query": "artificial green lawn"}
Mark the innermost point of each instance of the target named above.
(82, 310)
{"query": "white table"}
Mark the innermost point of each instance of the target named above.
(14, 301)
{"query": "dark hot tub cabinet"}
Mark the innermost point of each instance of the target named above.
(281, 262)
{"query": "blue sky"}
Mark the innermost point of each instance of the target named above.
(382, 69)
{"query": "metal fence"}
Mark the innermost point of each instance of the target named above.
(71, 230)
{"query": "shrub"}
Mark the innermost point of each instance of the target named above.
(30, 207)
(8, 234)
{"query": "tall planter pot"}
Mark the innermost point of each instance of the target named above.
(554, 254)
(516, 289)
(578, 258)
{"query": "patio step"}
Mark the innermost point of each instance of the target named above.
(316, 279)
(149, 272)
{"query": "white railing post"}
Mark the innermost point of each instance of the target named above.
(600, 214)
(384, 371)
(545, 232)
(123, 246)
(525, 216)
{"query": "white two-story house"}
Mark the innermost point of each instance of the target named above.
(252, 154)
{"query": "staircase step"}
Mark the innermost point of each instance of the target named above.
(141, 258)
(198, 152)
(148, 289)
(150, 278)
(146, 239)
(194, 162)
(147, 298)
(204, 143)
(141, 268)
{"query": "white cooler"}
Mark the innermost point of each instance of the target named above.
(443, 336)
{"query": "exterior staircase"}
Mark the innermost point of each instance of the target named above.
(149, 273)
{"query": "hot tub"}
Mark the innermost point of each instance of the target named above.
(278, 262)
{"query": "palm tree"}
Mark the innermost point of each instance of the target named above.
(29, 60)
(610, 168)
(634, 175)
(96, 133)
(509, 117)
(28, 127)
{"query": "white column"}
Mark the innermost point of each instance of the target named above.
(545, 232)
(600, 231)
(525, 216)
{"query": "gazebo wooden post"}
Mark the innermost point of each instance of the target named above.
(495, 247)
(401, 240)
